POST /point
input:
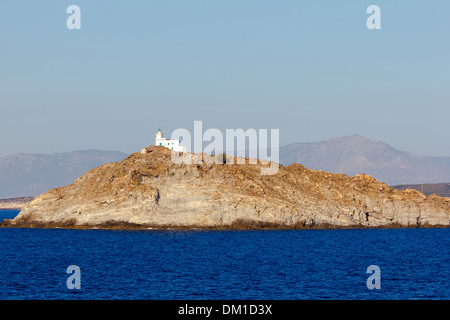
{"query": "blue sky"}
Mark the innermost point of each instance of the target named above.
(311, 69)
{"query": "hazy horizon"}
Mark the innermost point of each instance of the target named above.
(206, 143)
(313, 70)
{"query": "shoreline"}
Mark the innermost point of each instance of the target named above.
(6, 223)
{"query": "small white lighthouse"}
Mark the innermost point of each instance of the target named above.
(170, 144)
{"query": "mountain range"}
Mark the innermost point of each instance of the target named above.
(26, 175)
(441, 189)
(356, 154)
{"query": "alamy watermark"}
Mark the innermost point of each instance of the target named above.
(374, 20)
(374, 281)
(73, 22)
(221, 148)
(74, 280)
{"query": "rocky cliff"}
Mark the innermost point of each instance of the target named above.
(147, 190)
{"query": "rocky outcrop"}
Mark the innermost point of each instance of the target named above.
(147, 190)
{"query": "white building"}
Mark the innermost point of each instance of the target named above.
(170, 144)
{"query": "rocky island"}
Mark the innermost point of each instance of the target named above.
(148, 190)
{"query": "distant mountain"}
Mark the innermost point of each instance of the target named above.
(356, 154)
(23, 175)
(441, 189)
(14, 203)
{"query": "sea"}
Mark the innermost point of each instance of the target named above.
(349, 264)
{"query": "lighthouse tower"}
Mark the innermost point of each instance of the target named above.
(159, 136)
(170, 144)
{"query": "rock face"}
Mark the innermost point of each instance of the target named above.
(148, 190)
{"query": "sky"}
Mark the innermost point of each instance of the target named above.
(311, 69)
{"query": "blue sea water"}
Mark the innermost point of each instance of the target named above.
(263, 264)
